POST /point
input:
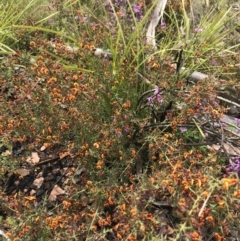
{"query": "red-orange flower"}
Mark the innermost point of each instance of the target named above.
(32, 44)
(44, 71)
(229, 182)
(71, 97)
(52, 80)
(75, 91)
(66, 204)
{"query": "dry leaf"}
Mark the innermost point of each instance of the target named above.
(7, 153)
(33, 192)
(38, 182)
(23, 172)
(230, 149)
(34, 159)
(64, 154)
(43, 148)
(30, 198)
(55, 192)
(167, 230)
(39, 174)
(45, 145)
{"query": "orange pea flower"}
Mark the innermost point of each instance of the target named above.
(227, 182)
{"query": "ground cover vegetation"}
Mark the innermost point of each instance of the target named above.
(103, 137)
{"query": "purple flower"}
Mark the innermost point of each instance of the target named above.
(215, 104)
(159, 98)
(106, 3)
(113, 117)
(106, 55)
(119, 133)
(150, 101)
(224, 125)
(156, 90)
(50, 20)
(163, 25)
(183, 129)
(237, 121)
(235, 165)
(155, 98)
(214, 62)
(198, 29)
(126, 129)
(137, 9)
(85, 18)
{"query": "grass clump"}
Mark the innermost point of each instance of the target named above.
(13, 12)
(124, 152)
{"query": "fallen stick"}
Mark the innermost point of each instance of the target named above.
(4, 235)
(155, 18)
